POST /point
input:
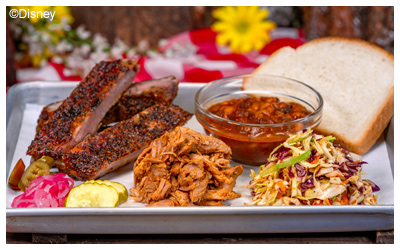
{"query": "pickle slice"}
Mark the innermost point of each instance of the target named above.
(92, 195)
(121, 189)
(37, 168)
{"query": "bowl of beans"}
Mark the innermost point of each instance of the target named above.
(253, 122)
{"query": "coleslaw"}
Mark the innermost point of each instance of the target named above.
(308, 169)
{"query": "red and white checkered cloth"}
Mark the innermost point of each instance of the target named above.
(206, 62)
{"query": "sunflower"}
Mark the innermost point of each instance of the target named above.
(243, 28)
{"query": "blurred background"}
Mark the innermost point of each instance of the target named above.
(195, 44)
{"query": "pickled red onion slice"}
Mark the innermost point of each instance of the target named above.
(45, 191)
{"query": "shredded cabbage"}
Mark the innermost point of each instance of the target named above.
(308, 169)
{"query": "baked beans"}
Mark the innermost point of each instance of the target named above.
(259, 110)
(251, 143)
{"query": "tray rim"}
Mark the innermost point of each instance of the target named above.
(386, 209)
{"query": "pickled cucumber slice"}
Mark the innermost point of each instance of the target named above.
(37, 168)
(121, 189)
(92, 195)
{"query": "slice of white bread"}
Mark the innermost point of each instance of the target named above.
(355, 79)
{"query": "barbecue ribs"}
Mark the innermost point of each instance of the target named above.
(80, 114)
(122, 143)
(137, 98)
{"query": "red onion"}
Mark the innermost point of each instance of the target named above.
(45, 191)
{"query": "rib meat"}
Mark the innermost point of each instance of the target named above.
(134, 100)
(145, 94)
(80, 114)
(46, 113)
(122, 143)
(141, 96)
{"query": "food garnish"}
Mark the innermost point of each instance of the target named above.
(37, 168)
(308, 169)
(97, 193)
(16, 175)
(45, 191)
(185, 168)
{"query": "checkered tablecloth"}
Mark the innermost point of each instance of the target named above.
(191, 56)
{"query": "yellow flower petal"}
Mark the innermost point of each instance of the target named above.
(259, 45)
(222, 39)
(246, 47)
(261, 15)
(244, 28)
(221, 26)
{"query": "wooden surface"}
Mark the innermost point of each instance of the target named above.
(134, 24)
(386, 237)
(374, 24)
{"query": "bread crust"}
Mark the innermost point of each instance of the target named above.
(382, 117)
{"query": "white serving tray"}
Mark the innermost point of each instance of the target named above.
(24, 102)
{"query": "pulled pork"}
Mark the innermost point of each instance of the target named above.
(185, 168)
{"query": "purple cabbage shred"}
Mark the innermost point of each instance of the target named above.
(291, 175)
(301, 171)
(309, 183)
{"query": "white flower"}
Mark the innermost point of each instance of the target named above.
(177, 50)
(85, 49)
(169, 53)
(143, 45)
(82, 32)
(118, 49)
(131, 53)
(98, 56)
(35, 49)
(65, 24)
(100, 42)
(57, 59)
(30, 38)
(30, 28)
(162, 42)
(46, 38)
(153, 54)
(64, 46)
(67, 72)
(116, 53)
(43, 63)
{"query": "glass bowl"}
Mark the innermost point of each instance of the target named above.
(252, 143)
